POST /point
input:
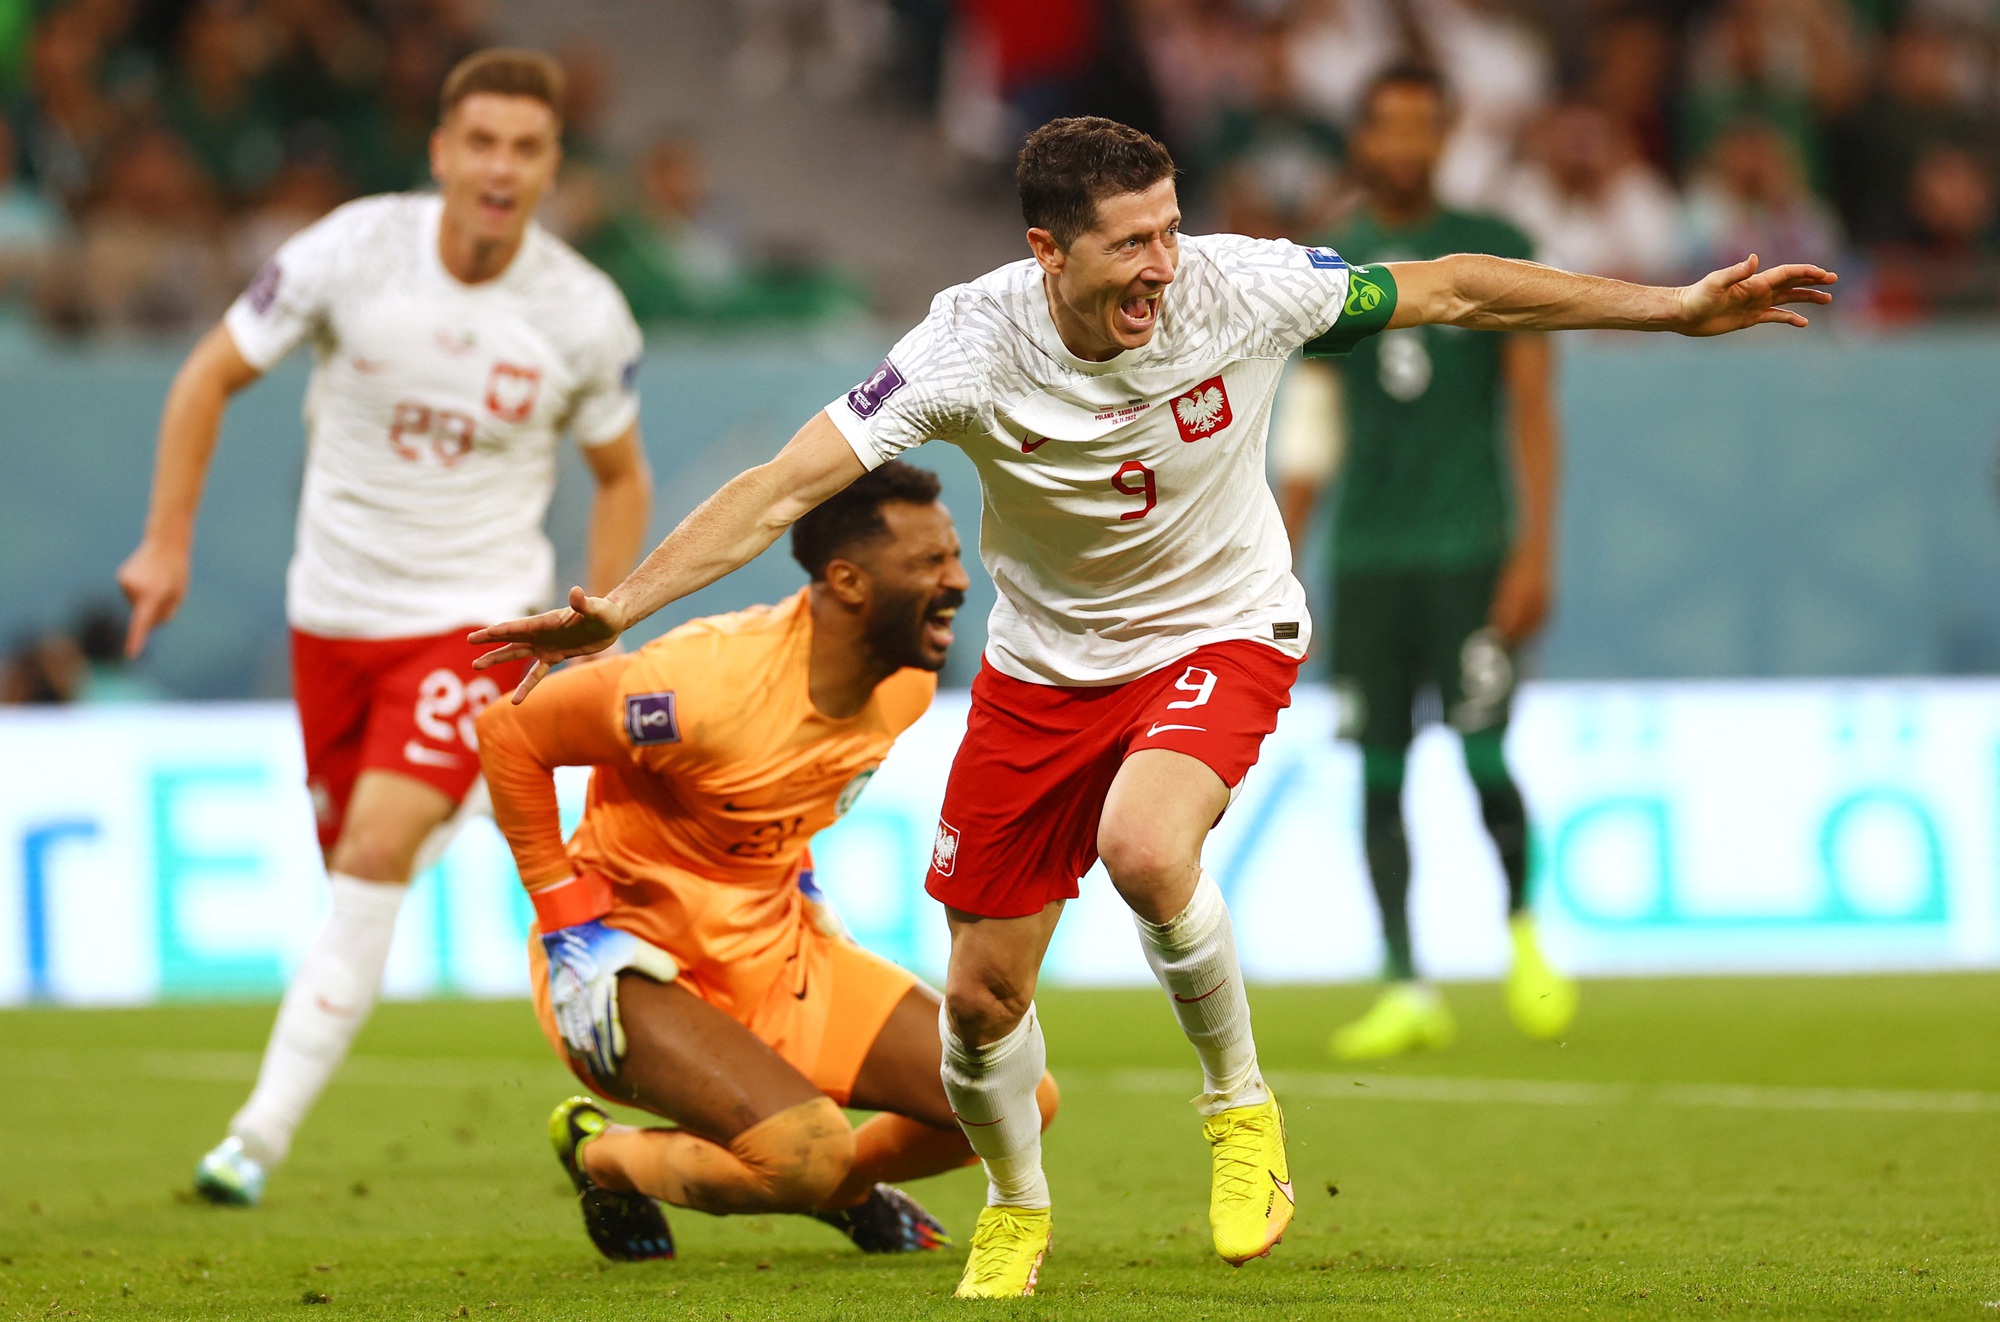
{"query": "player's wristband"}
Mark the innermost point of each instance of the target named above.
(571, 901)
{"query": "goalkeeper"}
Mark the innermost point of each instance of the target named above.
(681, 961)
(1440, 563)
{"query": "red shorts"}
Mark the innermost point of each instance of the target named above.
(390, 704)
(1019, 825)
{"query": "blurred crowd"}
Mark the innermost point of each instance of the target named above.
(1645, 139)
(153, 153)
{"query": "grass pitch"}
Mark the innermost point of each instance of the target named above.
(1789, 1148)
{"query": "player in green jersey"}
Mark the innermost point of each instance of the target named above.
(1441, 548)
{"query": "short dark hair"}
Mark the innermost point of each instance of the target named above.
(1406, 75)
(854, 516)
(1068, 166)
(504, 72)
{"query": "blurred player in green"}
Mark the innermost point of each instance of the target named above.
(1441, 555)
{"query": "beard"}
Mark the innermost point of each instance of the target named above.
(895, 632)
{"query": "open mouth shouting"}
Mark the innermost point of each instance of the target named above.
(1138, 314)
(496, 205)
(937, 625)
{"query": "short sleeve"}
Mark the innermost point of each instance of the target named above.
(1371, 301)
(1293, 292)
(291, 296)
(928, 388)
(606, 403)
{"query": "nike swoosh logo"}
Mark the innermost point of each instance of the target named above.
(1158, 727)
(427, 757)
(1030, 449)
(1191, 1000)
(341, 1011)
(800, 994)
(976, 1124)
(1285, 1188)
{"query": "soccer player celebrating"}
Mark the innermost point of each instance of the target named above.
(1115, 392)
(1441, 564)
(455, 341)
(678, 965)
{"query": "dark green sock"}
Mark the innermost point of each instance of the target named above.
(1388, 849)
(1501, 806)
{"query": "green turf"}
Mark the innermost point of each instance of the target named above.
(423, 1186)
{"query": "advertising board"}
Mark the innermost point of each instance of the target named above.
(167, 852)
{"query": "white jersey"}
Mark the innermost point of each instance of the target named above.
(1127, 518)
(433, 414)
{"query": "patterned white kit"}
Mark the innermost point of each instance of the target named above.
(434, 411)
(1128, 521)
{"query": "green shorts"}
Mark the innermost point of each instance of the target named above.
(1398, 633)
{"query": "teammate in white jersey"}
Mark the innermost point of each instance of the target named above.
(1114, 393)
(454, 342)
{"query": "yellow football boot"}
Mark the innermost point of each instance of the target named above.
(1007, 1248)
(1540, 1001)
(1407, 1016)
(1250, 1202)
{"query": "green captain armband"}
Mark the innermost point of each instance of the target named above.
(1371, 301)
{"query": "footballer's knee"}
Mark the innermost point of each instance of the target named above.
(373, 854)
(801, 1154)
(983, 1006)
(1153, 873)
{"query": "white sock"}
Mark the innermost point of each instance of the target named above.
(992, 1091)
(1194, 957)
(330, 998)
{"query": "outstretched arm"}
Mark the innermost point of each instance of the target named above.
(1496, 293)
(725, 532)
(154, 577)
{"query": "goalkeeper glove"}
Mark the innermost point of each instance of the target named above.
(819, 909)
(585, 958)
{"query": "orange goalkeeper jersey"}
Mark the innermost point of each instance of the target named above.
(713, 773)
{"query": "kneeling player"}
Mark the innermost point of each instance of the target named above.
(679, 964)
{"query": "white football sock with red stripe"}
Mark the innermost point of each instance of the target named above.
(330, 997)
(1194, 957)
(992, 1092)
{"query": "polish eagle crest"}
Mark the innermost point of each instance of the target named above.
(1202, 411)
